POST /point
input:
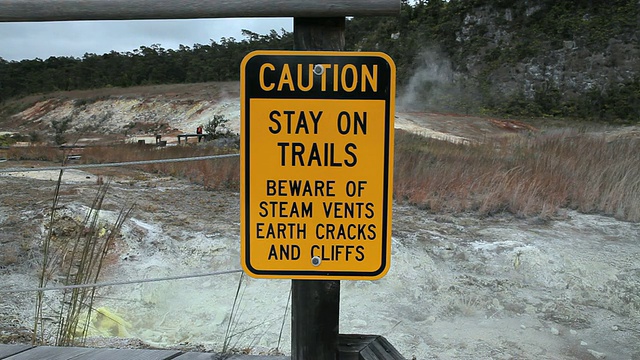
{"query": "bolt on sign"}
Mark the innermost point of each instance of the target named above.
(316, 164)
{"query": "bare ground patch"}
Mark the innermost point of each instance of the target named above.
(459, 286)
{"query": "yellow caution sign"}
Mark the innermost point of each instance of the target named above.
(316, 164)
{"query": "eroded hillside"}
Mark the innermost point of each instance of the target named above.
(142, 112)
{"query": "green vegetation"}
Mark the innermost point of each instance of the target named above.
(486, 44)
(217, 128)
(490, 42)
(6, 140)
(10, 139)
(60, 127)
(147, 65)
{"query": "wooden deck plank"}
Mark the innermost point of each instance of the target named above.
(209, 356)
(366, 347)
(380, 349)
(198, 356)
(352, 347)
(27, 352)
(49, 353)
(8, 350)
(128, 354)
(76, 353)
(257, 357)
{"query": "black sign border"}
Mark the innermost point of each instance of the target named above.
(250, 89)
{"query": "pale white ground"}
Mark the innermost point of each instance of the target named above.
(459, 287)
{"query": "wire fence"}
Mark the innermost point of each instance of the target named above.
(127, 163)
(102, 165)
(114, 283)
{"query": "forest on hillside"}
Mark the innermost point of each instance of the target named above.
(483, 50)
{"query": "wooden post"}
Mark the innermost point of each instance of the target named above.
(315, 311)
(315, 307)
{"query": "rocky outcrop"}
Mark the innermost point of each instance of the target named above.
(131, 115)
(573, 63)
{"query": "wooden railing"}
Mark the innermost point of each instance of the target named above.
(66, 10)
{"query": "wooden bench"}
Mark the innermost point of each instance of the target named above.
(187, 136)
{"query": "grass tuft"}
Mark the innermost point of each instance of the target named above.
(76, 257)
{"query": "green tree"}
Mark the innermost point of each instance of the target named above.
(60, 127)
(217, 128)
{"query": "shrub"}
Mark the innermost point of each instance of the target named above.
(60, 127)
(217, 128)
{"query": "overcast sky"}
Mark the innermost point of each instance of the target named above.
(41, 40)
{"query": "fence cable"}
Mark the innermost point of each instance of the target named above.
(81, 286)
(140, 162)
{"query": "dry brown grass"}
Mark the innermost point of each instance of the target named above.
(527, 175)
(42, 153)
(212, 174)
